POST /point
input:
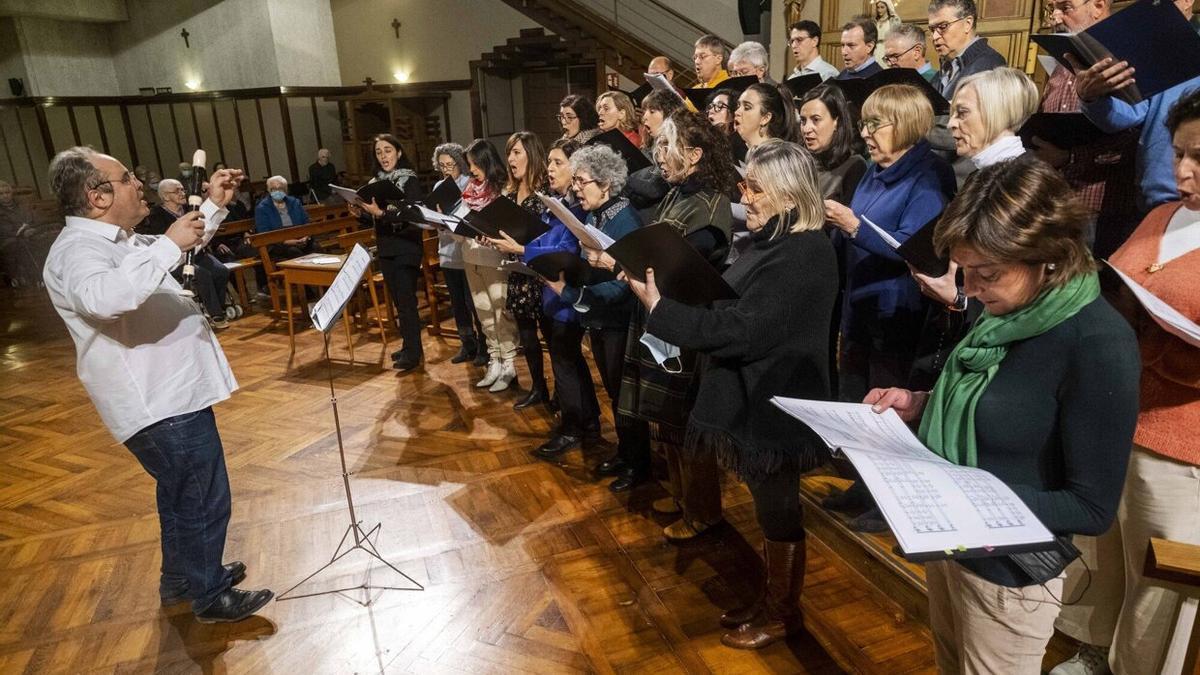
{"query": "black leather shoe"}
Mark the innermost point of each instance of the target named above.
(556, 446)
(237, 574)
(406, 362)
(466, 352)
(853, 499)
(627, 481)
(613, 466)
(481, 357)
(235, 605)
(535, 396)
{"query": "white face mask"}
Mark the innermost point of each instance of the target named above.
(662, 352)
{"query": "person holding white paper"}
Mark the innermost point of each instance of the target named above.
(1122, 608)
(1042, 393)
(450, 160)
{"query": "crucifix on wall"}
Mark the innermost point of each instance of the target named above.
(185, 34)
(396, 27)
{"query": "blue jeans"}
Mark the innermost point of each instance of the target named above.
(184, 455)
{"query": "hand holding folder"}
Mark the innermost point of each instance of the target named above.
(680, 272)
(505, 214)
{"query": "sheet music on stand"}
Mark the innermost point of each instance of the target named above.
(327, 309)
(936, 509)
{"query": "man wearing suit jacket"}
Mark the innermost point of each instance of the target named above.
(961, 50)
(859, 37)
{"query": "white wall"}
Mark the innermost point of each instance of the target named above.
(66, 58)
(12, 61)
(304, 42)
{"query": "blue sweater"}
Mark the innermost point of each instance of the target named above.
(899, 199)
(608, 304)
(1155, 170)
(559, 238)
(266, 216)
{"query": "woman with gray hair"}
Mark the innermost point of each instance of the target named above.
(987, 110)
(450, 160)
(773, 340)
(605, 308)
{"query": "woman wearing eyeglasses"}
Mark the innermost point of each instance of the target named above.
(771, 341)
(450, 161)
(905, 188)
(578, 119)
(694, 159)
(720, 114)
(604, 308)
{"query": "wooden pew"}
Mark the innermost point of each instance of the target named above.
(239, 268)
(317, 212)
(264, 240)
(1178, 563)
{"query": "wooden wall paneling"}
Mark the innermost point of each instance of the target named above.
(195, 124)
(100, 128)
(8, 171)
(189, 139)
(289, 140)
(74, 124)
(305, 142)
(63, 134)
(35, 140)
(256, 167)
(43, 126)
(175, 133)
(127, 127)
(216, 124)
(88, 126)
(231, 107)
(112, 126)
(330, 122)
(312, 101)
(153, 126)
(262, 135)
(206, 134)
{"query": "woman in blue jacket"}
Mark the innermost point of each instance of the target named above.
(906, 187)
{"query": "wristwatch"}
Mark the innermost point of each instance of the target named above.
(959, 304)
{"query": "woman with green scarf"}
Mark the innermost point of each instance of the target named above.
(1042, 392)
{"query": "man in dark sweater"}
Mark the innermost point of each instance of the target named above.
(320, 174)
(961, 51)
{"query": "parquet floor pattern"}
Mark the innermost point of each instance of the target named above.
(528, 567)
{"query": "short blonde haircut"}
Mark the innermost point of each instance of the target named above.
(905, 107)
(1007, 98)
(787, 174)
(622, 103)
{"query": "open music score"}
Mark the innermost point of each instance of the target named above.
(935, 508)
(330, 305)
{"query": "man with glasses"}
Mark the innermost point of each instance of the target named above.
(961, 50)
(858, 46)
(804, 38)
(750, 58)
(709, 60)
(151, 364)
(905, 48)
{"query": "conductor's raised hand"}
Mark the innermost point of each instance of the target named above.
(908, 404)
(188, 231)
(1102, 79)
(506, 244)
(646, 291)
(223, 184)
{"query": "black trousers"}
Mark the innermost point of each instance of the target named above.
(461, 304)
(531, 345)
(633, 435)
(401, 280)
(777, 504)
(572, 380)
(210, 283)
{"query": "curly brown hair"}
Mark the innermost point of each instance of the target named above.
(1020, 211)
(715, 169)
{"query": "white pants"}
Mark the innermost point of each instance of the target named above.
(489, 292)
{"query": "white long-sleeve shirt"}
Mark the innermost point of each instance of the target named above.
(143, 351)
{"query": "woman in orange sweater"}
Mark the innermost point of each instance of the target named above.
(1147, 623)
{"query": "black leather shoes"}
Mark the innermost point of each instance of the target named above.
(535, 396)
(613, 466)
(237, 574)
(627, 481)
(481, 356)
(466, 352)
(406, 362)
(235, 605)
(556, 446)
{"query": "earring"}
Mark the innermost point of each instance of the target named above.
(1051, 266)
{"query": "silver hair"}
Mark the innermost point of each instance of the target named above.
(456, 153)
(603, 163)
(167, 184)
(277, 179)
(910, 33)
(72, 174)
(752, 54)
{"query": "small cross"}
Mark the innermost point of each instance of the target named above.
(369, 82)
(185, 34)
(396, 27)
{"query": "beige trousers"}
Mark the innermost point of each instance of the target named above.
(981, 627)
(489, 292)
(1146, 622)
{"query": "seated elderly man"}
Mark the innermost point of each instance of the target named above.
(278, 210)
(23, 245)
(321, 174)
(750, 58)
(211, 282)
(905, 48)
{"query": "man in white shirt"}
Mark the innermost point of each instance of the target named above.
(151, 364)
(804, 37)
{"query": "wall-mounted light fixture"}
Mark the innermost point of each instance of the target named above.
(192, 84)
(400, 75)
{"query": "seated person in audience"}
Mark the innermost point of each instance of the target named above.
(320, 174)
(708, 57)
(858, 45)
(1100, 172)
(750, 58)
(771, 341)
(1042, 393)
(185, 172)
(211, 277)
(960, 49)
(804, 37)
(616, 111)
(278, 210)
(578, 119)
(905, 48)
(1143, 620)
(23, 245)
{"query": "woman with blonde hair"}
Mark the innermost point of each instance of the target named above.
(987, 110)
(616, 111)
(773, 340)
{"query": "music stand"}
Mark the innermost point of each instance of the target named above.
(324, 311)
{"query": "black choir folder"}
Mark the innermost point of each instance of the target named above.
(680, 272)
(1151, 35)
(858, 90)
(918, 250)
(613, 138)
(445, 196)
(574, 270)
(1064, 130)
(936, 509)
(505, 214)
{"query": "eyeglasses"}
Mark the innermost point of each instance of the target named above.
(446, 166)
(580, 184)
(941, 28)
(125, 179)
(893, 59)
(1066, 8)
(872, 125)
(716, 106)
(797, 40)
(702, 56)
(749, 193)
(566, 118)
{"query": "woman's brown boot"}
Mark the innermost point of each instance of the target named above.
(780, 611)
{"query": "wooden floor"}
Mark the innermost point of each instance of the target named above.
(527, 566)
